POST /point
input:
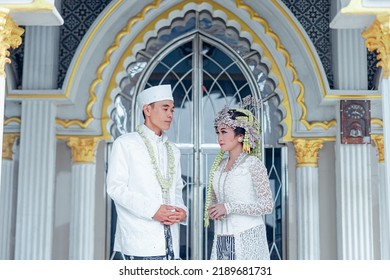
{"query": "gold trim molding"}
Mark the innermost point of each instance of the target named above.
(279, 46)
(155, 5)
(92, 96)
(376, 121)
(8, 143)
(83, 149)
(240, 5)
(10, 37)
(380, 147)
(378, 38)
(12, 119)
(306, 151)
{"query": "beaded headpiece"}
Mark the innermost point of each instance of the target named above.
(248, 122)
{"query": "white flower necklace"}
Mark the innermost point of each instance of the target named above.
(214, 167)
(164, 183)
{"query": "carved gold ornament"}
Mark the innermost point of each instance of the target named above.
(10, 37)
(306, 151)
(378, 139)
(83, 149)
(378, 38)
(8, 143)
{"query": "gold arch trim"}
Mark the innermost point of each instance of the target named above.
(92, 96)
(141, 16)
(240, 4)
(306, 44)
(99, 73)
(128, 52)
(377, 122)
(285, 102)
(301, 96)
(112, 84)
(300, 99)
(12, 119)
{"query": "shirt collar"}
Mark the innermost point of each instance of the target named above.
(153, 136)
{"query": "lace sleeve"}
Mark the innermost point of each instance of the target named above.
(264, 202)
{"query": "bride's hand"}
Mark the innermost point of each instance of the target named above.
(217, 211)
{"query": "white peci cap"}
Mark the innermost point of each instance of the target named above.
(154, 94)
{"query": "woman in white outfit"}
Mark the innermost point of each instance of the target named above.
(239, 193)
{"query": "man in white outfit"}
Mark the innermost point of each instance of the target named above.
(144, 181)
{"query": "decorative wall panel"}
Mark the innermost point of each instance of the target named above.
(78, 17)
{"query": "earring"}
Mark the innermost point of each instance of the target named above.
(240, 139)
(246, 146)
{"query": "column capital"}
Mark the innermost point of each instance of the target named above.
(306, 151)
(10, 37)
(378, 38)
(8, 143)
(380, 146)
(83, 149)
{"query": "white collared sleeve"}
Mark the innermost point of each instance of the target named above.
(118, 176)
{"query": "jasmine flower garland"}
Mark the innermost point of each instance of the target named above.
(210, 187)
(164, 183)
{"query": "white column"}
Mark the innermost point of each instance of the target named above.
(354, 203)
(40, 67)
(384, 198)
(35, 203)
(385, 172)
(353, 175)
(83, 212)
(7, 193)
(306, 151)
(349, 55)
(378, 39)
(384, 211)
(350, 59)
(386, 130)
(82, 223)
(35, 209)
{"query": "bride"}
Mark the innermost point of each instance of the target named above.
(239, 193)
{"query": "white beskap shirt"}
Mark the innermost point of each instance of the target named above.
(133, 186)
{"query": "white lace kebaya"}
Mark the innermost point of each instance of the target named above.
(246, 194)
(244, 191)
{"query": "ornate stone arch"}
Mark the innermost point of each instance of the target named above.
(294, 66)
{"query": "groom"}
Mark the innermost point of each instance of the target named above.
(144, 181)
